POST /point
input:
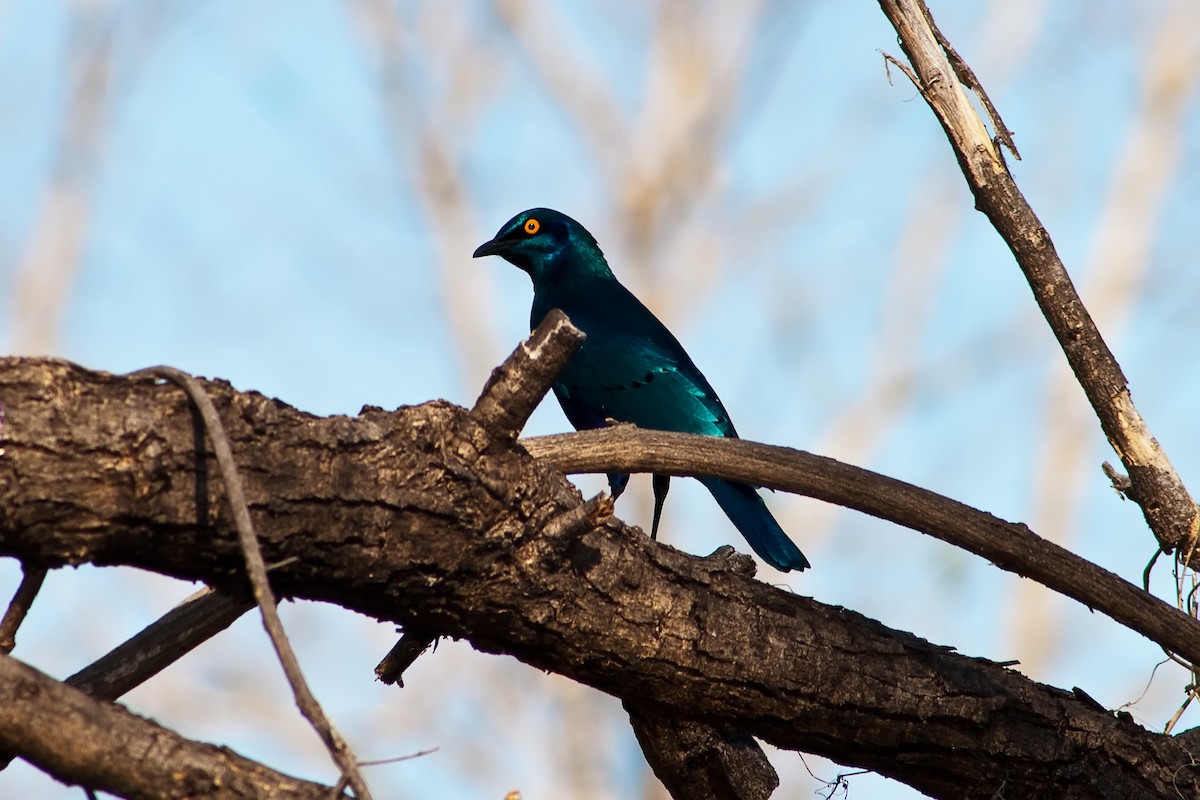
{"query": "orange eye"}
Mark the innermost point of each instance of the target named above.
(532, 226)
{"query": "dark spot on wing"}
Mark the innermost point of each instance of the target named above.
(636, 384)
(649, 377)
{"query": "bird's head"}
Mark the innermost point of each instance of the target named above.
(548, 245)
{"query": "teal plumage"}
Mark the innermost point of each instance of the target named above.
(630, 368)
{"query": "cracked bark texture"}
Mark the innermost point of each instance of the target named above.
(422, 518)
(103, 746)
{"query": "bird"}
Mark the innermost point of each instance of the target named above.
(630, 368)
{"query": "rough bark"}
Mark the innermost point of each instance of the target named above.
(423, 518)
(694, 759)
(104, 747)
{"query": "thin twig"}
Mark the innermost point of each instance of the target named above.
(1191, 695)
(1150, 568)
(31, 583)
(256, 568)
(379, 762)
(888, 58)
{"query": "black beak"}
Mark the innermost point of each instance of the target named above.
(492, 248)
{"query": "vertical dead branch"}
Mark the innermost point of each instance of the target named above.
(1168, 507)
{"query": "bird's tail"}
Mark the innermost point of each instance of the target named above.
(749, 514)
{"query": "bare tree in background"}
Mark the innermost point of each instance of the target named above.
(46, 272)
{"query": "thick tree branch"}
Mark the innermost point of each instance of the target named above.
(82, 740)
(1169, 509)
(160, 644)
(1010, 546)
(510, 396)
(421, 517)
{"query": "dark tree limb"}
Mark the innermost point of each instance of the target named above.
(513, 392)
(1010, 546)
(702, 761)
(78, 739)
(1169, 509)
(194, 621)
(425, 519)
(162, 643)
(18, 607)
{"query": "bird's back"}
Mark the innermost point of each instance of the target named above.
(630, 368)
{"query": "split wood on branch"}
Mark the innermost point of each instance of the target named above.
(1169, 509)
(1010, 546)
(424, 518)
(81, 740)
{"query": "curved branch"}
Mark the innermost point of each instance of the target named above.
(1169, 509)
(1010, 546)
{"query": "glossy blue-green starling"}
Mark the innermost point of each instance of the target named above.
(630, 368)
